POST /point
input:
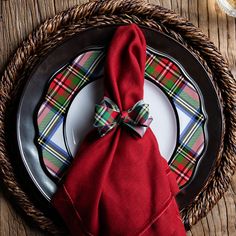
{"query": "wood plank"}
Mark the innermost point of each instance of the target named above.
(231, 42)
(193, 12)
(1, 38)
(19, 17)
(12, 223)
(213, 22)
(203, 16)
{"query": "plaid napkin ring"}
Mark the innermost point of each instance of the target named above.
(108, 116)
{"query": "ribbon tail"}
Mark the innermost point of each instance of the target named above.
(140, 129)
(148, 122)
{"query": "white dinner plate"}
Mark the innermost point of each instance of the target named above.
(80, 116)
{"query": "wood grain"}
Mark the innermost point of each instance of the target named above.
(19, 17)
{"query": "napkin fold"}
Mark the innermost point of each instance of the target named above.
(119, 184)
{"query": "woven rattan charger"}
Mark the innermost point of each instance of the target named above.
(96, 13)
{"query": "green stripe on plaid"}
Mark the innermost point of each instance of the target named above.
(162, 69)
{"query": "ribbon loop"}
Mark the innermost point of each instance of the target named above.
(108, 116)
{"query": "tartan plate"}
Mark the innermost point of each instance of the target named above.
(161, 69)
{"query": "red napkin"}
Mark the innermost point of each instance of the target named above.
(119, 184)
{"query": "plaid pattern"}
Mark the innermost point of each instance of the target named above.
(186, 100)
(162, 69)
(108, 115)
(51, 115)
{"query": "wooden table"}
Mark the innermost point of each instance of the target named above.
(19, 17)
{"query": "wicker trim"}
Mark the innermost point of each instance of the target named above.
(66, 24)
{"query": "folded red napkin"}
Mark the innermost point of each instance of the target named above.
(119, 184)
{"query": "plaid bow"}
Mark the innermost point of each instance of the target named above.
(108, 115)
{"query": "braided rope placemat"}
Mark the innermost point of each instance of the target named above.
(98, 13)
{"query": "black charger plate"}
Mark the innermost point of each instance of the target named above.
(101, 36)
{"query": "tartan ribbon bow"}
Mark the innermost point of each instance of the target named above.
(108, 116)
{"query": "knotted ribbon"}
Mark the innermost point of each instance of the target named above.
(108, 116)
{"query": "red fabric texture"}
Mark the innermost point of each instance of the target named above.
(120, 185)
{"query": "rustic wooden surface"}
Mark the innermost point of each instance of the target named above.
(19, 17)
